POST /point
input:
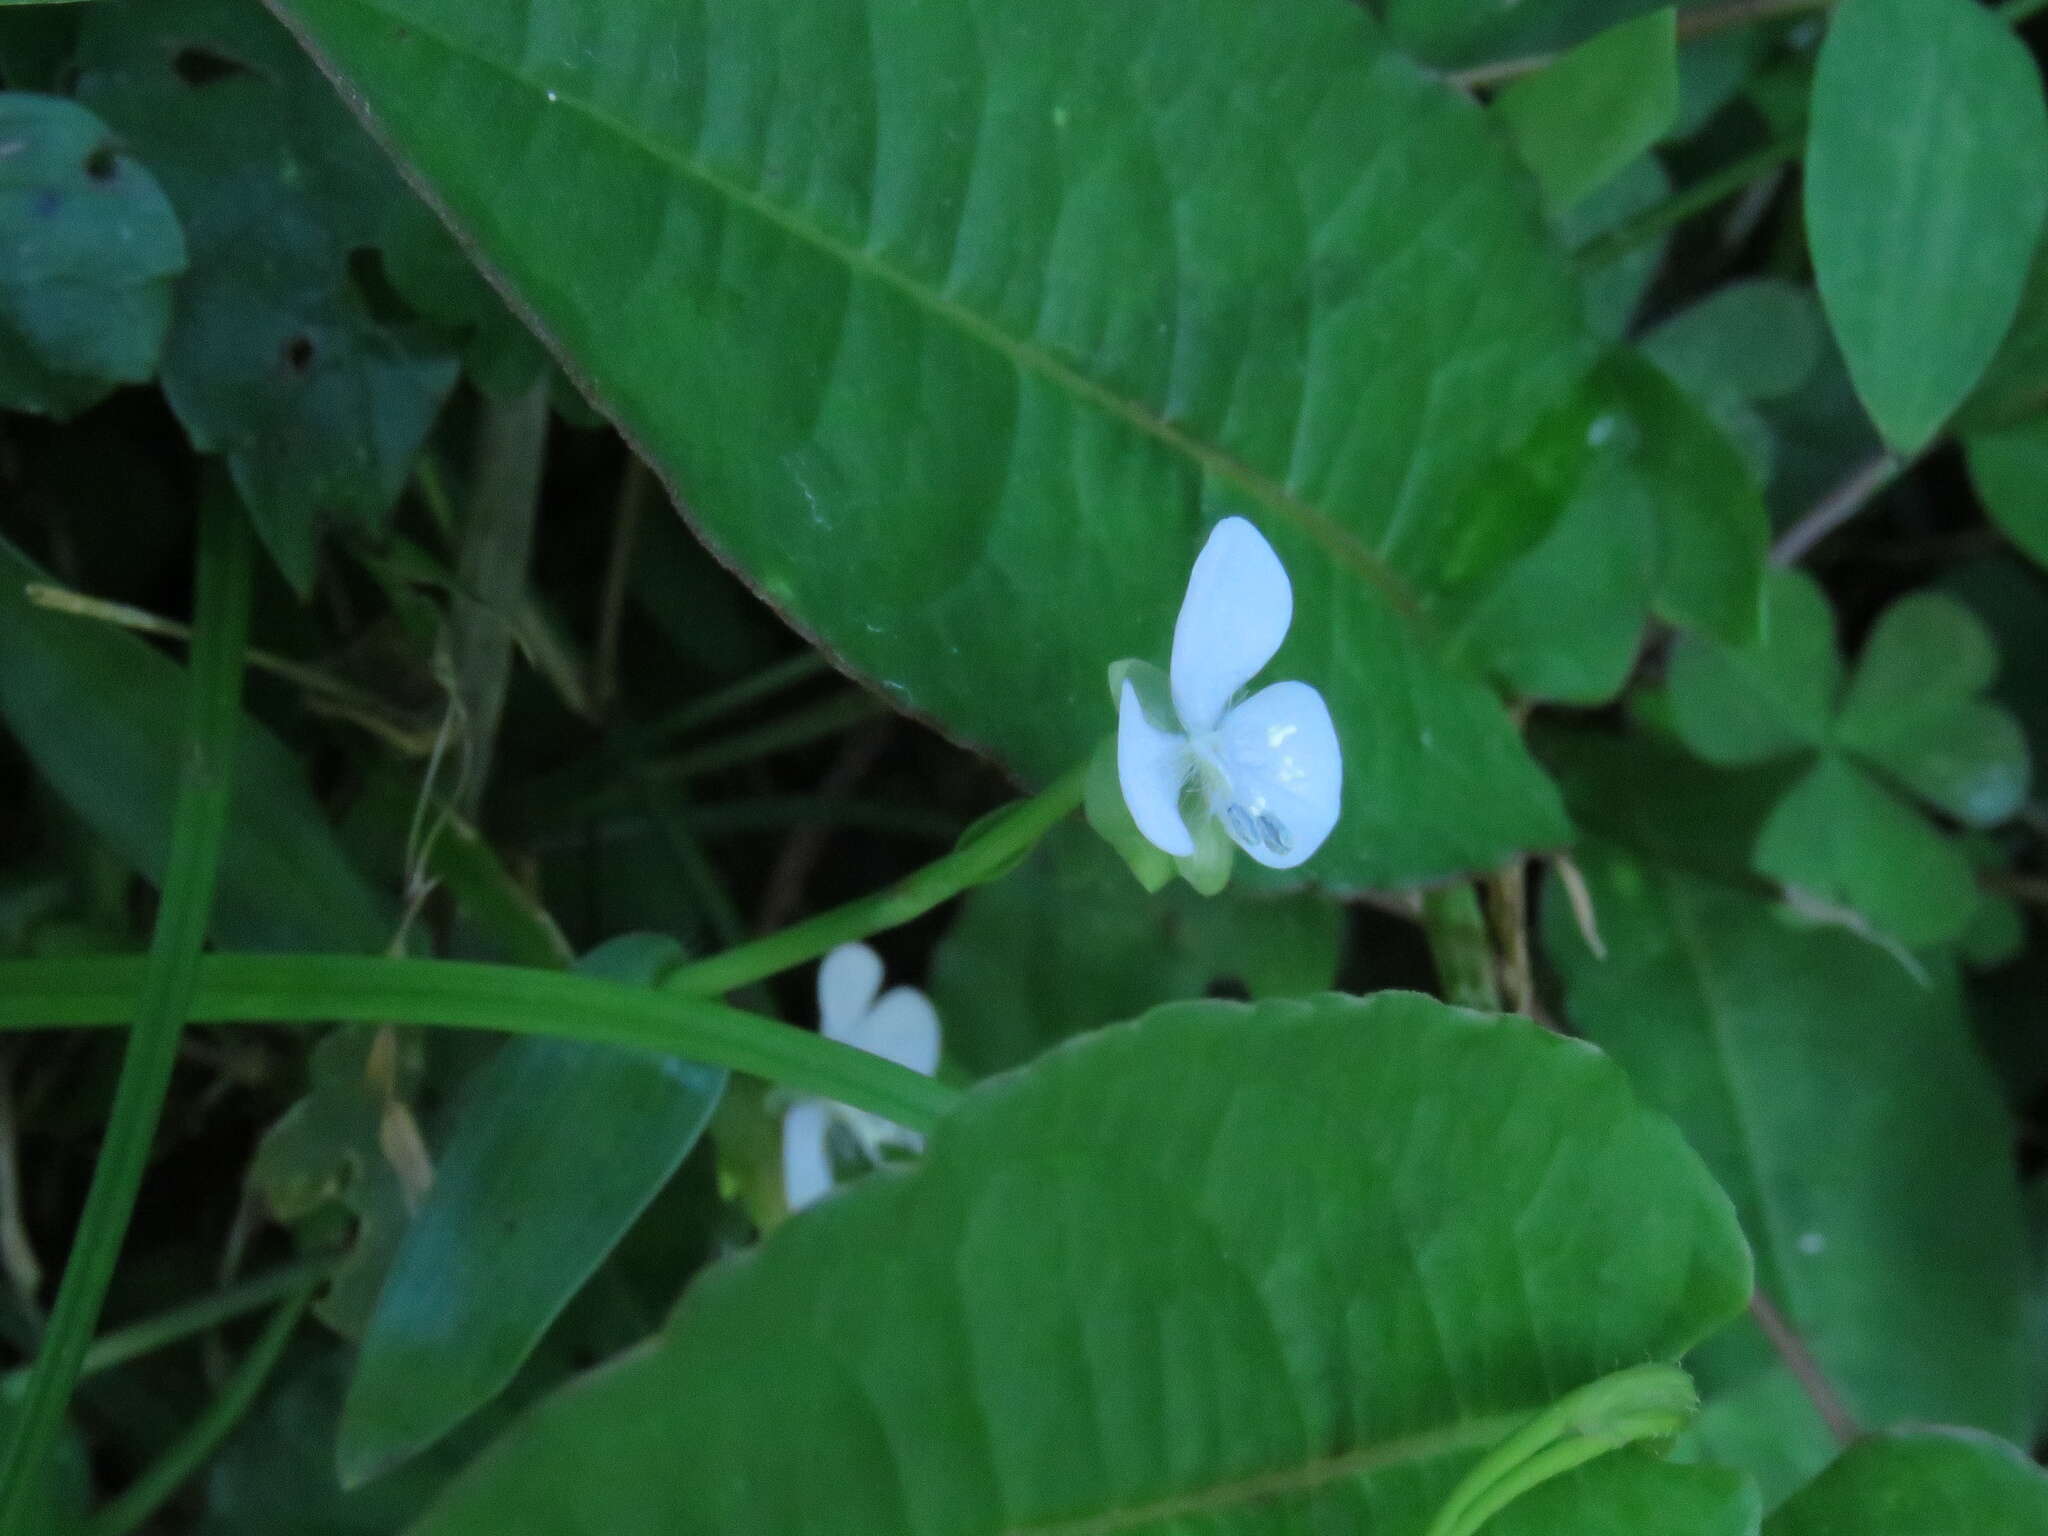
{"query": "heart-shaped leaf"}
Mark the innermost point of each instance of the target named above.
(1273, 1266)
(1913, 710)
(88, 248)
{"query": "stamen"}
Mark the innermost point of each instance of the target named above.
(1242, 826)
(1273, 835)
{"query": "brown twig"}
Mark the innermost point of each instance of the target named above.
(1837, 507)
(1805, 1370)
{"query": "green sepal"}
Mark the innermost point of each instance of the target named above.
(1103, 804)
(1207, 869)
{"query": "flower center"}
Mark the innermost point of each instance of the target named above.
(1247, 815)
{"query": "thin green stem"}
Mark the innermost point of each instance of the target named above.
(190, 1451)
(159, 999)
(150, 1334)
(1642, 1402)
(772, 678)
(313, 989)
(1697, 198)
(827, 717)
(990, 849)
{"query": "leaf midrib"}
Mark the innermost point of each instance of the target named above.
(1286, 1482)
(1343, 546)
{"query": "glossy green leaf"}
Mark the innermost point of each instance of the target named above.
(99, 711)
(2009, 467)
(1070, 942)
(1749, 704)
(1037, 288)
(1913, 710)
(1929, 1482)
(1270, 1267)
(1580, 119)
(1926, 185)
(278, 357)
(557, 1146)
(1840, 839)
(1844, 1109)
(88, 248)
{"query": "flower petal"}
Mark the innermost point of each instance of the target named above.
(848, 979)
(1279, 750)
(806, 1162)
(1152, 765)
(1233, 619)
(903, 1027)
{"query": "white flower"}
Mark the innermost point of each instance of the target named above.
(1268, 767)
(900, 1024)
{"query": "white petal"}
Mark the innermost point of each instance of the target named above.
(1233, 619)
(806, 1163)
(1279, 751)
(848, 980)
(1151, 765)
(877, 1136)
(904, 1027)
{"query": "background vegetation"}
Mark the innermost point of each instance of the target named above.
(1651, 410)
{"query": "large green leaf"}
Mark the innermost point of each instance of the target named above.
(1885, 1217)
(1930, 1482)
(88, 248)
(99, 711)
(956, 326)
(1071, 942)
(1926, 185)
(280, 357)
(557, 1147)
(1264, 1268)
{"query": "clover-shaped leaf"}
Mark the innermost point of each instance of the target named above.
(1911, 725)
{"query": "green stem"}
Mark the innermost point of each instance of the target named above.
(1642, 1402)
(826, 718)
(182, 1322)
(190, 1451)
(313, 989)
(1455, 927)
(772, 678)
(1697, 198)
(990, 848)
(159, 998)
